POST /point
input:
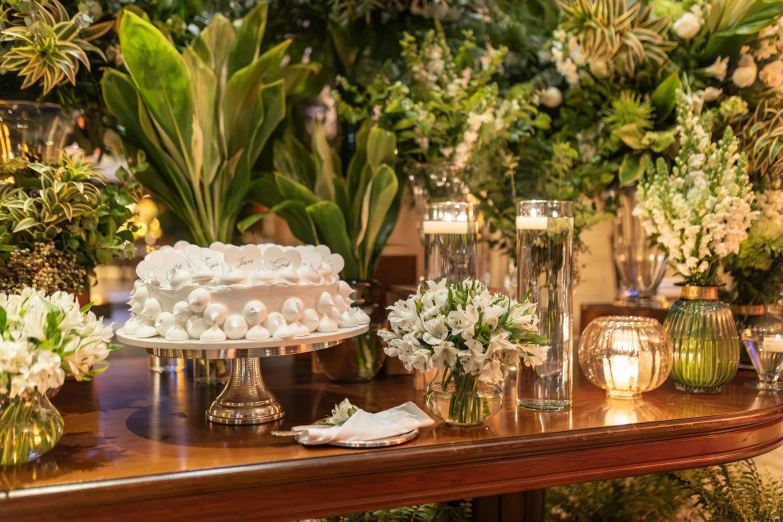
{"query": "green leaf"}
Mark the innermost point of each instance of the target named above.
(265, 192)
(242, 92)
(272, 100)
(665, 95)
(248, 40)
(382, 190)
(381, 148)
(214, 43)
(25, 223)
(3, 319)
(632, 168)
(292, 190)
(206, 151)
(163, 81)
(86, 308)
(324, 182)
(631, 135)
(330, 227)
(294, 214)
(660, 141)
(346, 51)
(296, 76)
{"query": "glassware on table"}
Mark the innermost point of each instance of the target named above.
(463, 399)
(450, 241)
(625, 355)
(34, 131)
(640, 264)
(704, 339)
(761, 334)
(545, 236)
(30, 426)
(165, 364)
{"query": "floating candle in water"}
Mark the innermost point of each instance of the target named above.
(773, 343)
(622, 373)
(531, 223)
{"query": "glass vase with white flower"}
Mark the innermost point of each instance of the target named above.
(466, 333)
(43, 339)
(699, 211)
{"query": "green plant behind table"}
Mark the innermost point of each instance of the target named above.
(202, 117)
(352, 212)
(69, 205)
(44, 45)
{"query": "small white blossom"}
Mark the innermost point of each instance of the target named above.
(687, 26)
(745, 73)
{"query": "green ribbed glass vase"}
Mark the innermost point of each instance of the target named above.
(704, 340)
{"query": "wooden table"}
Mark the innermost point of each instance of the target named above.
(137, 446)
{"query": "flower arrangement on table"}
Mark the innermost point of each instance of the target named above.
(60, 221)
(465, 332)
(43, 339)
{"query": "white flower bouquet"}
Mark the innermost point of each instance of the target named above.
(463, 330)
(699, 211)
(43, 338)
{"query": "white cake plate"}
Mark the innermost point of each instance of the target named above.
(245, 400)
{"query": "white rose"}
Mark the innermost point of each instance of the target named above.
(772, 74)
(712, 94)
(552, 97)
(687, 26)
(718, 69)
(745, 74)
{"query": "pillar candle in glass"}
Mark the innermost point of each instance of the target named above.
(545, 237)
(450, 237)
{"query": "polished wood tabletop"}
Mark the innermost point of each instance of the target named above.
(137, 446)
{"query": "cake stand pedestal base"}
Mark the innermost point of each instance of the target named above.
(245, 399)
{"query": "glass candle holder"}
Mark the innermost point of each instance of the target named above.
(450, 237)
(625, 355)
(545, 237)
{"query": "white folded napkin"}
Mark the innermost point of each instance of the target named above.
(367, 426)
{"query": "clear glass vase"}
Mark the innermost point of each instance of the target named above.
(761, 334)
(34, 131)
(360, 358)
(463, 399)
(30, 426)
(704, 339)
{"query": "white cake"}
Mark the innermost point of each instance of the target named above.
(254, 292)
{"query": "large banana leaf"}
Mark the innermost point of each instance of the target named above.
(379, 199)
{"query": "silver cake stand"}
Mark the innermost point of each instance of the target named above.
(245, 400)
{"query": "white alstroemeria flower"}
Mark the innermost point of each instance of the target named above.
(445, 355)
(536, 355)
(462, 321)
(421, 360)
(473, 358)
(435, 331)
(492, 315)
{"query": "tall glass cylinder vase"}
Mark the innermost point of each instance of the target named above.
(545, 237)
(450, 242)
(640, 263)
(704, 338)
(434, 183)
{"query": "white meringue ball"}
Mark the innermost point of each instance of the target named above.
(347, 320)
(274, 321)
(308, 274)
(136, 308)
(324, 303)
(310, 319)
(203, 275)
(301, 330)
(233, 277)
(145, 331)
(293, 309)
(263, 276)
(131, 325)
(254, 312)
(215, 314)
(258, 333)
(212, 335)
(196, 326)
(340, 303)
(334, 314)
(164, 323)
(180, 278)
(177, 333)
(198, 300)
(288, 275)
(151, 310)
(344, 289)
(283, 333)
(326, 271)
(137, 284)
(140, 295)
(235, 327)
(181, 313)
(327, 325)
(361, 316)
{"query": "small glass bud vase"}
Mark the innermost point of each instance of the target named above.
(30, 426)
(625, 356)
(761, 334)
(704, 340)
(463, 399)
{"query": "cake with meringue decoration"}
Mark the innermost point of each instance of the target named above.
(227, 292)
